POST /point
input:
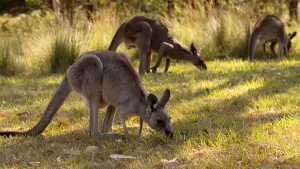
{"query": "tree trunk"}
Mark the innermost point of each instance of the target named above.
(210, 5)
(191, 3)
(171, 7)
(293, 10)
(55, 6)
(49, 4)
(91, 7)
(216, 4)
(67, 9)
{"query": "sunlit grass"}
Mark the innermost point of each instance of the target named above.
(235, 114)
(11, 61)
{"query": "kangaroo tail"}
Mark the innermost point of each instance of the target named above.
(118, 38)
(252, 43)
(57, 100)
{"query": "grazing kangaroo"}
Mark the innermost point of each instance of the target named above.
(270, 28)
(107, 78)
(149, 35)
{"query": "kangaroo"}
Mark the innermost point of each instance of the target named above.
(105, 78)
(148, 35)
(270, 28)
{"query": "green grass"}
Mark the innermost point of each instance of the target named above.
(63, 53)
(234, 115)
(237, 114)
(10, 51)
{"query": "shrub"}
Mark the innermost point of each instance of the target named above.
(220, 37)
(10, 51)
(63, 52)
(240, 49)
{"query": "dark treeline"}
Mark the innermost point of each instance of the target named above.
(67, 8)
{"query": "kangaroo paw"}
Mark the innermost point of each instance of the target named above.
(154, 69)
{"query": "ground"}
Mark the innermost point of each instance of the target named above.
(236, 114)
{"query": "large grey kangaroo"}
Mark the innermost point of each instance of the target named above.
(149, 35)
(270, 28)
(107, 78)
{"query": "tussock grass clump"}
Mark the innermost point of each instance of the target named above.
(218, 36)
(240, 48)
(230, 36)
(221, 37)
(10, 51)
(65, 48)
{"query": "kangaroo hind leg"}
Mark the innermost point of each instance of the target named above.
(264, 51)
(163, 50)
(143, 43)
(88, 83)
(272, 47)
(108, 119)
(167, 65)
(281, 48)
(148, 61)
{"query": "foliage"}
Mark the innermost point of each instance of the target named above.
(10, 51)
(240, 49)
(220, 37)
(63, 51)
(33, 4)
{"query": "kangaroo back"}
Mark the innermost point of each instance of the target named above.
(252, 42)
(57, 100)
(118, 38)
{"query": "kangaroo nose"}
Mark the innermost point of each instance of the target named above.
(169, 134)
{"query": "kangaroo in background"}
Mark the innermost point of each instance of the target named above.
(148, 35)
(107, 78)
(270, 28)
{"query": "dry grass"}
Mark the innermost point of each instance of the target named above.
(235, 115)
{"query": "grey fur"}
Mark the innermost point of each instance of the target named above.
(148, 35)
(270, 28)
(104, 78)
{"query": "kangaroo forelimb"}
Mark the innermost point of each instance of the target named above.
(163, 50)
(141, 127)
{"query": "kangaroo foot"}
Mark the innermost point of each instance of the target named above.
(154, 69)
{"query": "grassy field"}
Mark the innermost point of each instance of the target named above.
(236, 114)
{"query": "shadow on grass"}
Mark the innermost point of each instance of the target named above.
(226, 115)
(219, 115)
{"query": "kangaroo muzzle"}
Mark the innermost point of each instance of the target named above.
(169, 134)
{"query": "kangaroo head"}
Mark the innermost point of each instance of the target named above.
(198, 61)
(290, 37)
(159, 119)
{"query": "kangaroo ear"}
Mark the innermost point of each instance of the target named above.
(165, 98)
(293, 35)
(152, 101)
(193, 49)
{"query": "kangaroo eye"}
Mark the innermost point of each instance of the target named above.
(160, 122)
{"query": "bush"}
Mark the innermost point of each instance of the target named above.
(63, 52)
(221, 37)
(10, 51)
(240, 49)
